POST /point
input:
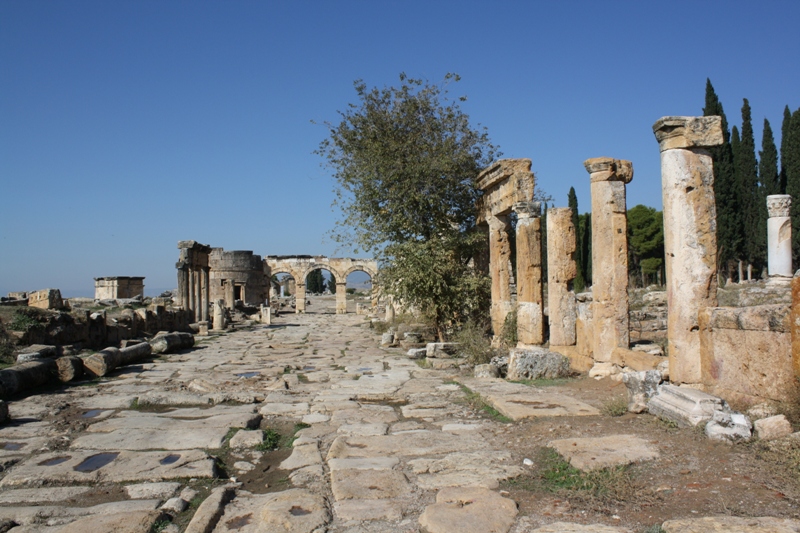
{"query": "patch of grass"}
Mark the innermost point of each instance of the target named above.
(272, 440)
(476, 401)
(159, 526)
(423, 363)
(287, 369)
(302, 378)
(25, 320)
(617, 406)
(655, 528)
(6, 347)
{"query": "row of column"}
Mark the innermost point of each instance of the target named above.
(193, 290)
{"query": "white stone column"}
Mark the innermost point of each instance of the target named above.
(204, 295)
(499, 268)
(389, 309)
(341, 298)
(609, 255)
(530, 305)
(561, 271)
(183, 285)
(779, 237)
(690, 234)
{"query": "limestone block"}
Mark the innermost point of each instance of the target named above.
(209, 512)
(773, 427)
(561, 271)
(592, 453)
(485, 371)
(578, 362)
(469, 510)
(641, 387)
(152, 491)
(46, 299)
(683, 405)
(387, 339)
(417, 353)
(441, 349)
(536, 364)
(634, 359)
(566, 527)
(369, 484)
(246, 439)
(728, 426)
(500, 270)
(530, 312)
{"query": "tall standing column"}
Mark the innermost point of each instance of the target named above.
(779, 237)
(300, 296)
(192, 303)
(690, 234)
(341, 298)
(204, 301)
(609, 254)
(500, 270)
(561, 271)
(198, 294)
(530, 308)
(183, 284)
(230, 294)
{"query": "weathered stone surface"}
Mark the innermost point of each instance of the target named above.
(246, 439)
(172, 342)
(602, 452)
(469, 510)
(125, 522)
(728, 427)
(536, 364)
(641, 387)
(500, 270)
(460, 469)
(485, 371)
(363, 463)
(565, 527)
(70, 367)
(294, 511)
(779, 236)
(690, 241)
(302, 456)
(732, 524)
(683, 405)
(609, 255)
(82, 519)
(368, 509)
(43, 494)
(773, 427)
(210, 511)
(795, 324)
(530, 301)
(368, 484)
(46, 299)
(400, 445)
(417, 353)
(152, 491)
(561, 271)
(441, 349)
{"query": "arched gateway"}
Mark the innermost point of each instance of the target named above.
(299, 266)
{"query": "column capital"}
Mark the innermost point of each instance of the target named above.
(528, 209)
(688, 132)
(609, 169)
(779, 205)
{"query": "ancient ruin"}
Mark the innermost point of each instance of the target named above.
(111, 288)
(561, 272)
(193, 278)
(779, 237)
(238, 276)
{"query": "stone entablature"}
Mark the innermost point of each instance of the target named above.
(300, 266)
(113, 287)
(507, 182)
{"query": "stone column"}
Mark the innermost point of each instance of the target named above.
(219, 315)
(690, 239)
(183, 284)
(609, 255)
(530, 309)
(561, 271)
(500, 270)
(204, 294)
(230, 294)
(300, 297)
(779, 236)
(192, 303)
(389, 309)
(198, 294)
(341, 298)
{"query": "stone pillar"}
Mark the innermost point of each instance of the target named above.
(192, 304)
(530, 308)
(300, 297)
(779, 236)
(795, 324)
(341, 298)
(690, 239)
(609, 255)
(230, 293)
(500, 270)
(561, 271)
(204, 295)
(183, 284)
(198, 295)
(219, 315)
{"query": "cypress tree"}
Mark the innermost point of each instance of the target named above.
(749, 193)
(791, 163)
(768, 163)
(586, 247)
(787, 118)
(572, 200)
(729, 224)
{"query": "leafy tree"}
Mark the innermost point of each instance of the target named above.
(332, 284)
(787, 119)
(729, 222)
(315, 282)
(791, 163)
(405, 160)
(750, 195)
(572, 200)
(768, 162)
(645, 242)
(586, 246)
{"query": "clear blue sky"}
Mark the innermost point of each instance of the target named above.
(127, 126)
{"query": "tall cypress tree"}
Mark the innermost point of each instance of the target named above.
(729, 224)
(768, 162)
(749, 193)
(787, 118)
(586, 247)
(791, 163)
(572, 201)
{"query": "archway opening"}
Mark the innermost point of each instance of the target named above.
(320, 291)
(359, 290)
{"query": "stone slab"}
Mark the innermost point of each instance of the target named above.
(539, 403)
(416, 444)
(469, 510)
(152, 439)
(35, 515)
(368, 509)
(602, 452)
(566, 527)
(363, 429)
(363, 463)
(302, 456)
(683, 405)
(368, 484)
(42, 495)
(58, 468)
(478, 469)
(152, 491)
(732, 524)
(290, 511)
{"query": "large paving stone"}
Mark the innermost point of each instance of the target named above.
(591, 453)
(416, 444)
(363, 463)
(368, 509)
(42, 495)
(57, 468)
(302, 456)
(732, 524)
(290, 511)
(52, 515)
(368, 484)
(478, 469)
(469, 510)
(541, 403)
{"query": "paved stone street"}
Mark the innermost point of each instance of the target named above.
(382, 445)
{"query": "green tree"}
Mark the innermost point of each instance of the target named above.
(791, 163)
(405, 160)
(729, 223)
(586, 246)
(645, 243)
(331, 285)
(752, 204)
(572, 200)
(768, 162)
(315, 282)
(787, 119)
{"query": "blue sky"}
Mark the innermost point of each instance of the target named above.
(128, 126)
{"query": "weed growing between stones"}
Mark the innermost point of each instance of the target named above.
(476, 402)
(159, 526)
(272, 441)
(617, 406)
(655, 528)
(423, 363)
(474, 343)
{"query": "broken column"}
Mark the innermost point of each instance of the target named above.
(500, 270)
(609, 255)
(561, 271)
(779, 237)
(341, 297)
(300, 297)
(530, 311)
(690, 240)
(219, 315)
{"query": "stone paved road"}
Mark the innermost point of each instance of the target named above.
(386, 446)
